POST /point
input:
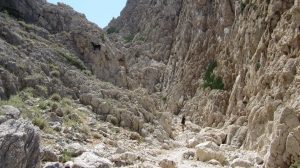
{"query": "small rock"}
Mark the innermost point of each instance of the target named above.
(188, 154)
(214, 162)
(28, 102)
(259, 160)
(52, 165)
(73, 116)
(48, 154)
(120, 150)
(76, 148)
(55, 126)
(135, 136)
(240, 163)
(69, 164)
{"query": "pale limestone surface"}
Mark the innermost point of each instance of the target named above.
(159, 74)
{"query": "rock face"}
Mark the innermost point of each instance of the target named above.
(163, 56)
(255, 45)
(20, 144)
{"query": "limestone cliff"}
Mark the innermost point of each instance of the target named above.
(256, 46)
(164, 58)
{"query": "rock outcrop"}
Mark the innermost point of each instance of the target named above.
(231, 67)
(255, 45)
(20, 141)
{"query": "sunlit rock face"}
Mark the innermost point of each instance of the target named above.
(255, 45)
(160, 57)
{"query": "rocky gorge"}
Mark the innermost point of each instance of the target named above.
(231, 67)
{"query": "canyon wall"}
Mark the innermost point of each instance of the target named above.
(255, 44)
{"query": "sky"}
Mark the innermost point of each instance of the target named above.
(100, 12)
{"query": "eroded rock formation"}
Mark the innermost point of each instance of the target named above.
(159, 60)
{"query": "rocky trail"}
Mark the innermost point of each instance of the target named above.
(183, 157)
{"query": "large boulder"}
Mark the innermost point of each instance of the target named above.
(19, 144)
(49, 154)
(88, 159)
(207, 151)
(9, 112)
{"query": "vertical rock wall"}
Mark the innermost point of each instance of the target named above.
(256, 46)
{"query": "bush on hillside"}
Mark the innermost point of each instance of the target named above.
(211, 80)
(112, 30)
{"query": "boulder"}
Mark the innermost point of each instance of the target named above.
(20, 144)
(238, 162)
(69, 164)
(76, 148)
(126, 158)
(88, 159)
(207, 151)
(48, 154)
(9, 112)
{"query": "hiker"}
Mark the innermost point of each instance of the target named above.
(183, 123)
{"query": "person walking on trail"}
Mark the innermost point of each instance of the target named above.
(183, 123)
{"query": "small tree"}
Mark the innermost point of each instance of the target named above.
(112, 30)
(211, 80)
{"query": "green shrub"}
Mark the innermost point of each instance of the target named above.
(28, 93)
(67, 101)
(128, 38)
(142, 39)
(38, 76)
(211, 80)
(68, 110)
(257, 66)
(97, 135)
(15, 101)
(55, 73)
(43, 89)
(112, 30)
(12, 12)
(217, 83)
(243, 5)
(52, 66)
(87, 72)
(66, 155)
(296, 164)
(55, 97)
(114, 120)
(5, 12)
(49, 130)
(164, 98)
(71, 60)
(40, 122)
(43, 105)
(85, 130)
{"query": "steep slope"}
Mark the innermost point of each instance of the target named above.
(255, 45)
